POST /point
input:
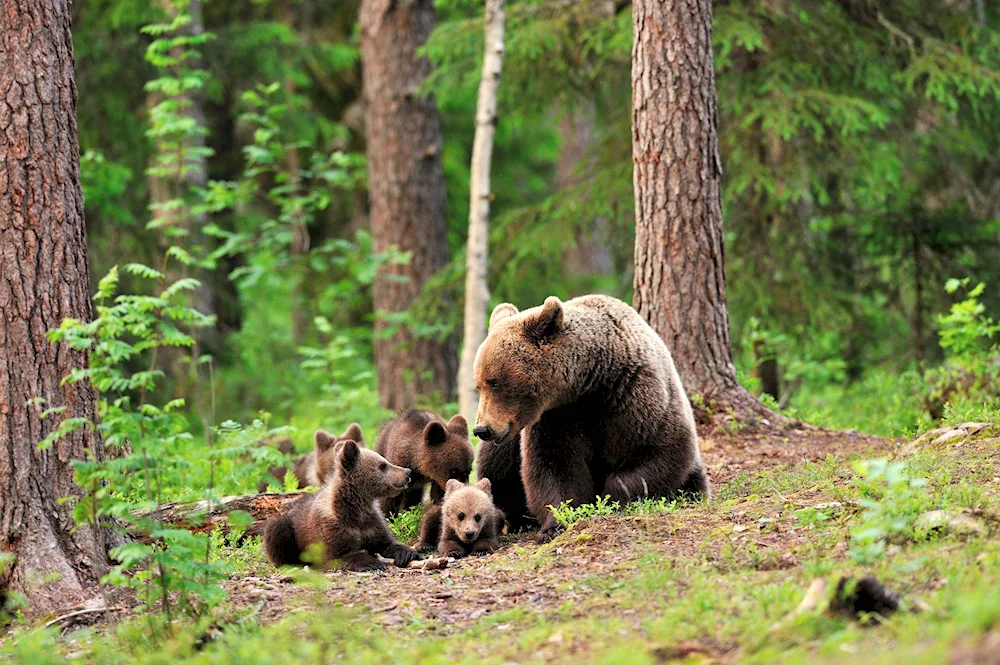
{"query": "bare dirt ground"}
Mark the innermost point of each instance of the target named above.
(472, 588)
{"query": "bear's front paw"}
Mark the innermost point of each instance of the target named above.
(547, 534)
(404, 557)
(373, 567)
(426, 548)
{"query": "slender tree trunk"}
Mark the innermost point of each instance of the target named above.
(591, 255)
(477, 293)
(918, 307)
(43, 279)
(406, 188)
(680, 285)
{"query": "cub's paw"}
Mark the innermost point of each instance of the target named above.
(426, 548)
(547, 534)
(404, 557)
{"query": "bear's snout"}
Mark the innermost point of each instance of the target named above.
(469, 535)
(484, 433)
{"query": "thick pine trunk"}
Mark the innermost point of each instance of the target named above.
(477, 293)
(407, 194)
(680, 285)
(43, 279)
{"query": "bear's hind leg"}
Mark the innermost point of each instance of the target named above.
(654, 478)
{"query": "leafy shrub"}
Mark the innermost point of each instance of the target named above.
(893, 499)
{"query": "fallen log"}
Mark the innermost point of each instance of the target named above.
(204, 516)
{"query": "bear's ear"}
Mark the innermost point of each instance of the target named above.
(349, 454)
(485, 485)
(501, 312)
(458, 425)
(543, 326)
(353, 433)
(452, 485)
(434, 434)
(324, 440)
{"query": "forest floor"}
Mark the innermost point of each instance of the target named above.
(698, 582)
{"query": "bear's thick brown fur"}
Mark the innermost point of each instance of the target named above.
(434, 450)
(311, 470)
(342, 518)
(593, 395)
(469, 522)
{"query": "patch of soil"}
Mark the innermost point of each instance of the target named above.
(727, 454)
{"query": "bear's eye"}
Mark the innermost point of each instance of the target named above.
(461, 516)
(492, 383)
(479, 518)
(383, 467)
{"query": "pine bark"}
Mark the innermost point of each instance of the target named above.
(680, 285)
(477, 293)
(407, 195)
(43, 279)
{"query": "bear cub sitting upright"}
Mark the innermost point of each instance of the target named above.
(342, 517)
(470, 524)
(436, 452)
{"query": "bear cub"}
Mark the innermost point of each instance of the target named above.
(470, 524)
(342, 518)
(311, 470)
(436, 452)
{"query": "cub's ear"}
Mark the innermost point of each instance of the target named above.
(349, 454)
(485, 485)
(434, 434)
(543, 326)
(324, 440)
(353, 433)
(501, 312)
(452, 485)
(458, 425)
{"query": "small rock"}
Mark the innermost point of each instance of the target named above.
(966, 525)
(973, 428)
(948, 436)
(932, 520)
(961, 524)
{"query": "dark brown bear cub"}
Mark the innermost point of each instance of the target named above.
(341, 518)
(311, 470)
(470, 523)
(436, 452)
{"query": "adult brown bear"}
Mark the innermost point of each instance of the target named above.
(600, 410)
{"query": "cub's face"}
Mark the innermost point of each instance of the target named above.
(467, 509)
(448, 453)
(326, 456)
(515, 371)
(368, 472)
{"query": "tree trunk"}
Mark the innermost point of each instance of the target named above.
(679, 282)
(919, 345)
(477, 293)
(591, 255)
(43, 279)
(406, 188)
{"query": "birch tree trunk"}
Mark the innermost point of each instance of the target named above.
(680, 283)
(43, 279)
(476, 290)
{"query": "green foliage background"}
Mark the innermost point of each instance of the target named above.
(858, 140)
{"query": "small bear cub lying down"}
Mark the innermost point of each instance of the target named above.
(470, 523)
(342, 518)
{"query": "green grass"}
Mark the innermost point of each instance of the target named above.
(711, 581)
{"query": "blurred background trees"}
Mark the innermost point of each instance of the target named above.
(860, 159)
